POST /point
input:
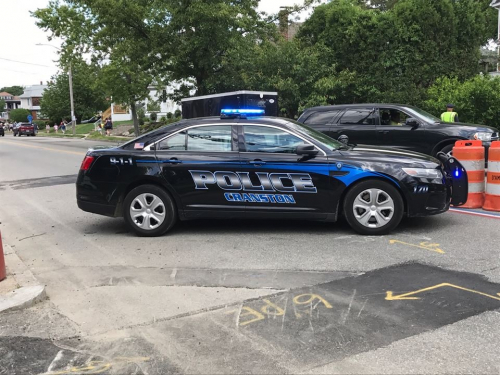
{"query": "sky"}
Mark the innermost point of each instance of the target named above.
(24, 63)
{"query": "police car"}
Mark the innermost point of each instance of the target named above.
(243, 166)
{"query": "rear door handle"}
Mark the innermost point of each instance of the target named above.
(257, 162)
(173, 161)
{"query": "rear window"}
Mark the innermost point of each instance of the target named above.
(358, 117)
(322, 117)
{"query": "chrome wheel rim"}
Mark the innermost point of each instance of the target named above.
(373, 208)
(147, 211)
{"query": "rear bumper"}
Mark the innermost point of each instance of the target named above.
(96, 208)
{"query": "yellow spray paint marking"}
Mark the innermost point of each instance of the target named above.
(248, 311)
(391, 297)
(423, 245)
(312, 297)
(275, 309)
(98, 367)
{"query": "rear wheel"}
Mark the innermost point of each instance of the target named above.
(149, 210)
(373, 207)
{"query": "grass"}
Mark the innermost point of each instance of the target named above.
(98, 137)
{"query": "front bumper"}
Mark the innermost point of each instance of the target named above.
(428, 199)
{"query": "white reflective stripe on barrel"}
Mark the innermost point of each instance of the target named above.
(473, 165)
(494, 166)
(493, 189)
(476, 187)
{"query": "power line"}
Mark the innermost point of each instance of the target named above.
(27, 63)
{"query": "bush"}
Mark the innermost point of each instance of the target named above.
(141, 113)
(19, 115)
(153, 116)
(170, 115)
(476, 100)
(177, 113)
(141, 121)
(163, 120)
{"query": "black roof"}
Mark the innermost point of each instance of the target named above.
(357, 105)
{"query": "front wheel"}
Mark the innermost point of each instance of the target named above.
(149, 210)
(373, 207)
(448, 150)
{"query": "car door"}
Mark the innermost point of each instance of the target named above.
(199, 164)
(392, 131)
(277, 180)
(356, 126)
(322, 120)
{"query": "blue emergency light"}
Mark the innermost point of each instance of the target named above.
(241, 112)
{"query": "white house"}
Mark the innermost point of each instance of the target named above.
(30, 99)
(156, 98)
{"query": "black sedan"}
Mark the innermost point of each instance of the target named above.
(393, 125)
(262, 168)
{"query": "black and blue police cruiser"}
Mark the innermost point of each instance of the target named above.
(245, 166)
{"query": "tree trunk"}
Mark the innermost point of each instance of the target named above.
(134, 118)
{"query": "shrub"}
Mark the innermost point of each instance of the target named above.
(177, 113)
(163, 120)
(170, 115)
(19, 115)
(141, 121)
(153, 116)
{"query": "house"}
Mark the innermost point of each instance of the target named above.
(30, 99)
(11, 101)
(156, 102)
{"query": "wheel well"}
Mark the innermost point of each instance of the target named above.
(390, 182)
(133, 185)
(440, 146)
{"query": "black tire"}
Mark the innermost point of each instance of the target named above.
(388, 191)
(447, 149)
(169, 210)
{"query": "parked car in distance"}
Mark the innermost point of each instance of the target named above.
(25, 128)
(393, 125)
(2, 131)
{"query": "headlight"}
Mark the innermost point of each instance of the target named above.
(431, 174)
(481, 136)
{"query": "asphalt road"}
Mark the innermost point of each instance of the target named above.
(239, 296)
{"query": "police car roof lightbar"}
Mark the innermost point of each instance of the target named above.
(225, 113)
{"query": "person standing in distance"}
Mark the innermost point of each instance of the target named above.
(450, 115)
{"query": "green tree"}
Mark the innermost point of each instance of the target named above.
(14, 90)
(19, 115)
(89, 98)
(476, 99)
(2, 105)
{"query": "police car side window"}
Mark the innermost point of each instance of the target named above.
(215, 138)
(272, 140)
(176, 142)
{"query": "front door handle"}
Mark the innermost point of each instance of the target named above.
(173, 161)
(257, 162)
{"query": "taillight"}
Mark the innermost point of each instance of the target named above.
(86, 163)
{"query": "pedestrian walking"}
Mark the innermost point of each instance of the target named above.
(47, 128)
(108, 126)
(63, 127)
(56, 128)
(450, 115)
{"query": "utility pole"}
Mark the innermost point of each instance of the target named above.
(72, 104)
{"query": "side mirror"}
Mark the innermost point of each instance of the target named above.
(413, 122)
(306, 150)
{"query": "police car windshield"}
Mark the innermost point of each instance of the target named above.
(325, 140)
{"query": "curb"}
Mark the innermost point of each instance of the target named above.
(30, 291)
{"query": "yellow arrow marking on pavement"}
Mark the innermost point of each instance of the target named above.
(82, 153)
(423, 245)
(391, 297)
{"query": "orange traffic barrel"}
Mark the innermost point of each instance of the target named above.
(471, 155)
(492, 196)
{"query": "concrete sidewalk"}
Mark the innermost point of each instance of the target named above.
(20, 289)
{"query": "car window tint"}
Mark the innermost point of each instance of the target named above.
(209, 138)
(176, 142)
(321, 118)
(358, 117)
(392, 117)
(272, 140)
